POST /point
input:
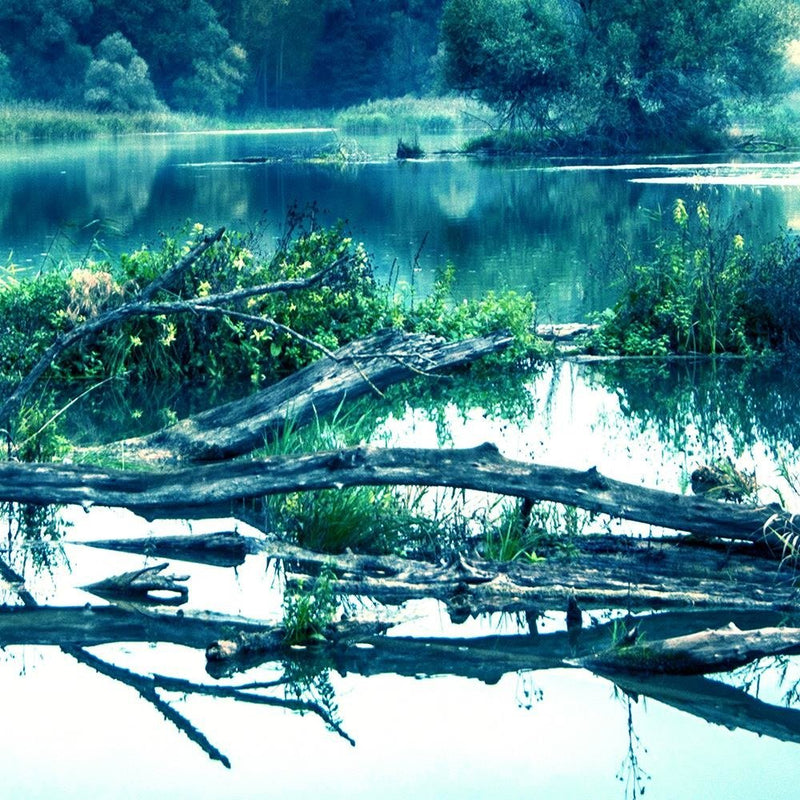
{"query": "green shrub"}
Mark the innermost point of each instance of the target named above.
(307, 611)
(704, 292)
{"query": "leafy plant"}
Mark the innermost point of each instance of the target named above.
(704, 292)
(307, 611)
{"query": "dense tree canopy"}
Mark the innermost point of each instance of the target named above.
(608, 69)
(622, 70)
(219, 55)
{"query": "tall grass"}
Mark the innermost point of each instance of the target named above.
(24, 121)
(414, 114)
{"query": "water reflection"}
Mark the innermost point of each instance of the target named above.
(550, 229)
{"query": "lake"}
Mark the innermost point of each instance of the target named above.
(551, 228)
(115, 727)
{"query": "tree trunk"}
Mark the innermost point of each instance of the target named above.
(357, 369)
(215, 488)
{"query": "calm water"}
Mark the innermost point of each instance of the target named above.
(549, 733)
(558, 733)
(549, 228)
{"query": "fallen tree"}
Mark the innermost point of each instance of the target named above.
(698, 653)
(217, 488)
(366, 366)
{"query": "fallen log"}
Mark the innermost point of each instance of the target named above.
(359, 368)
(709, 651)
(215, 488)
(146, 585)
(602, 571)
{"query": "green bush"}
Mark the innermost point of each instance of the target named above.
(704, 291)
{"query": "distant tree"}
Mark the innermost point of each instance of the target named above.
(183, 43)
(118, 79)
(7, 88)
(213, 86)
(43, 40)
(517, 56)
(625, 70)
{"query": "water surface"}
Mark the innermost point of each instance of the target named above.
(552, 228)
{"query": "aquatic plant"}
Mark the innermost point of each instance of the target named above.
(532, 531)
(308, 610)
(705, 291)
(426, 115)
(410, 149)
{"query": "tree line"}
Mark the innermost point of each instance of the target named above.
(215, 56)
(604, 69)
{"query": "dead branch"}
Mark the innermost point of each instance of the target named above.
(147, 585)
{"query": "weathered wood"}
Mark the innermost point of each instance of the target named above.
(226, 549)
(602, 571)
(719, 650)
(146, 585)
(214, 487)
(357, 369)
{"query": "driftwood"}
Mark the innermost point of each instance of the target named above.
(147, 585)
(226, 549)
(367, 365)
(600, 571)
(216, 487)
(700, 653)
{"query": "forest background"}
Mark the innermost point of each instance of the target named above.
(630, 64)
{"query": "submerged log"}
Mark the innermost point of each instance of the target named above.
(719, 650)
(146, 585)
(227, 549)
(265, 645)
(716, 702)
(89, 625)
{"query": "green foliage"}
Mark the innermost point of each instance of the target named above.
(307, 611)
(412, 114)
(36, 434)
(118, 79)
(704, 292)
(362, 519)
(618, 74)
(29, 319)
(214, 85)
(438, 314)
(514, 56)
